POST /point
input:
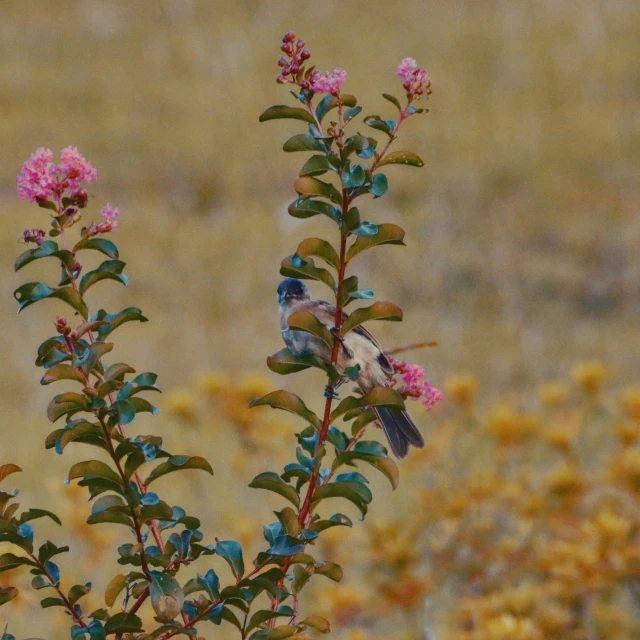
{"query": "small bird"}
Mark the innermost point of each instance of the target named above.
(359, 351)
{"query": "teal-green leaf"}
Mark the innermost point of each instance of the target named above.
(377, 397)
(94, 469)
(306, 321)
(231, 551)
(123, 623)
(357, 493)
(306, 208)
(62, 372)
(393, 100)
(309, 186)
(66, 403)
(320, 248)
(178, 463)
(379, 185)
(315, 166)
(284, 362)
(98, 244)
(402, 157)
(108, 270)
(33, 292)
(114, 320)
(166, 596)
(281, 111)
(273, 482)
(288, 401)
(331, 102)
(7, 594)
(34, 514)
(336, 520)
(377, 311)
(386, 234)
(264, 615)
(10, 561)
(304, 142)
(384, 464)
(46, 249)
(330, 570)
(306, 271)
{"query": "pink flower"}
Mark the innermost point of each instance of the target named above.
(40, 179)
(37, 179)
(34, 235)
(328, 82)
(416, 386)
(75, 168)
(406, 68)
(110, 216)
(416, 82)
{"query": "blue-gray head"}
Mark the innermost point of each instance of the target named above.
(291, 289)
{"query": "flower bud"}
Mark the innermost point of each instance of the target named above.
(294, 68)
(300, 44)
(281, 80)
(305, 54)
(282, 62)
(80, 198)
(289, 36)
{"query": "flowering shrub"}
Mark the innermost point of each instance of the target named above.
(262, 601)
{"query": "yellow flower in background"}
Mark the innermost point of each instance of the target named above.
(462, 389)
(509, 427)
(625, 468)
(628, 432)
(214, 383)
(253, 386)
(508, 627)
(591, 376)
(565, 481)
(554, 393)
(182, 404)
(630, 401)
(611, 527)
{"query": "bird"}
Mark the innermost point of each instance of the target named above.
(359, 352)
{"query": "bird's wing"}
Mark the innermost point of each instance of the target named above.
(326, 313)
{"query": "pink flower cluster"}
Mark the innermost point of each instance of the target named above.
(416, 82)
(330, 82)
(110, 217)
(34, 235)
(296, 56)
(416, 385)
(41, 179)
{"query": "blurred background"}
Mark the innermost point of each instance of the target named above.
(522, 263)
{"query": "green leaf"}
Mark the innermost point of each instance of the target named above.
(76, 431)
(330, 570)
(7, 594)
(46, 249)
(33, 292)
(315, 166)
(331, 102)
(273, 482)
(62, 372)
(114, 588)
(304, 142)
(336, 520)
(384, 464)
(402, 157)
(377, 311)
(306, 271)
(393, 100)
(288, 401)
(98, 244)
(166, 596)
(309, 186)
(317, 622)
(376, 122)
(90, 357)
(108, 270)
(117, 371)
(306, 208)
(306, 321)
(386, 234)
(95, 469)
(281, 111)
(34, 514)
(320, 248)
(77, 591)
(123, 623)
(231, 551)
(357, 493)
(178, 463)
(260, 617)
(66, 403)
(10, 561)
(377, 397)
(46, 603)
(114, 320)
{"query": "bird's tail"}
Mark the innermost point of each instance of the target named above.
(400, 430)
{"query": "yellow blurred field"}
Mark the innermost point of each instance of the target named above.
(521, 261)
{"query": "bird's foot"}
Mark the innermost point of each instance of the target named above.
(330, 393)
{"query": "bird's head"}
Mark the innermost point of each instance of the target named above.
(290, 290)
